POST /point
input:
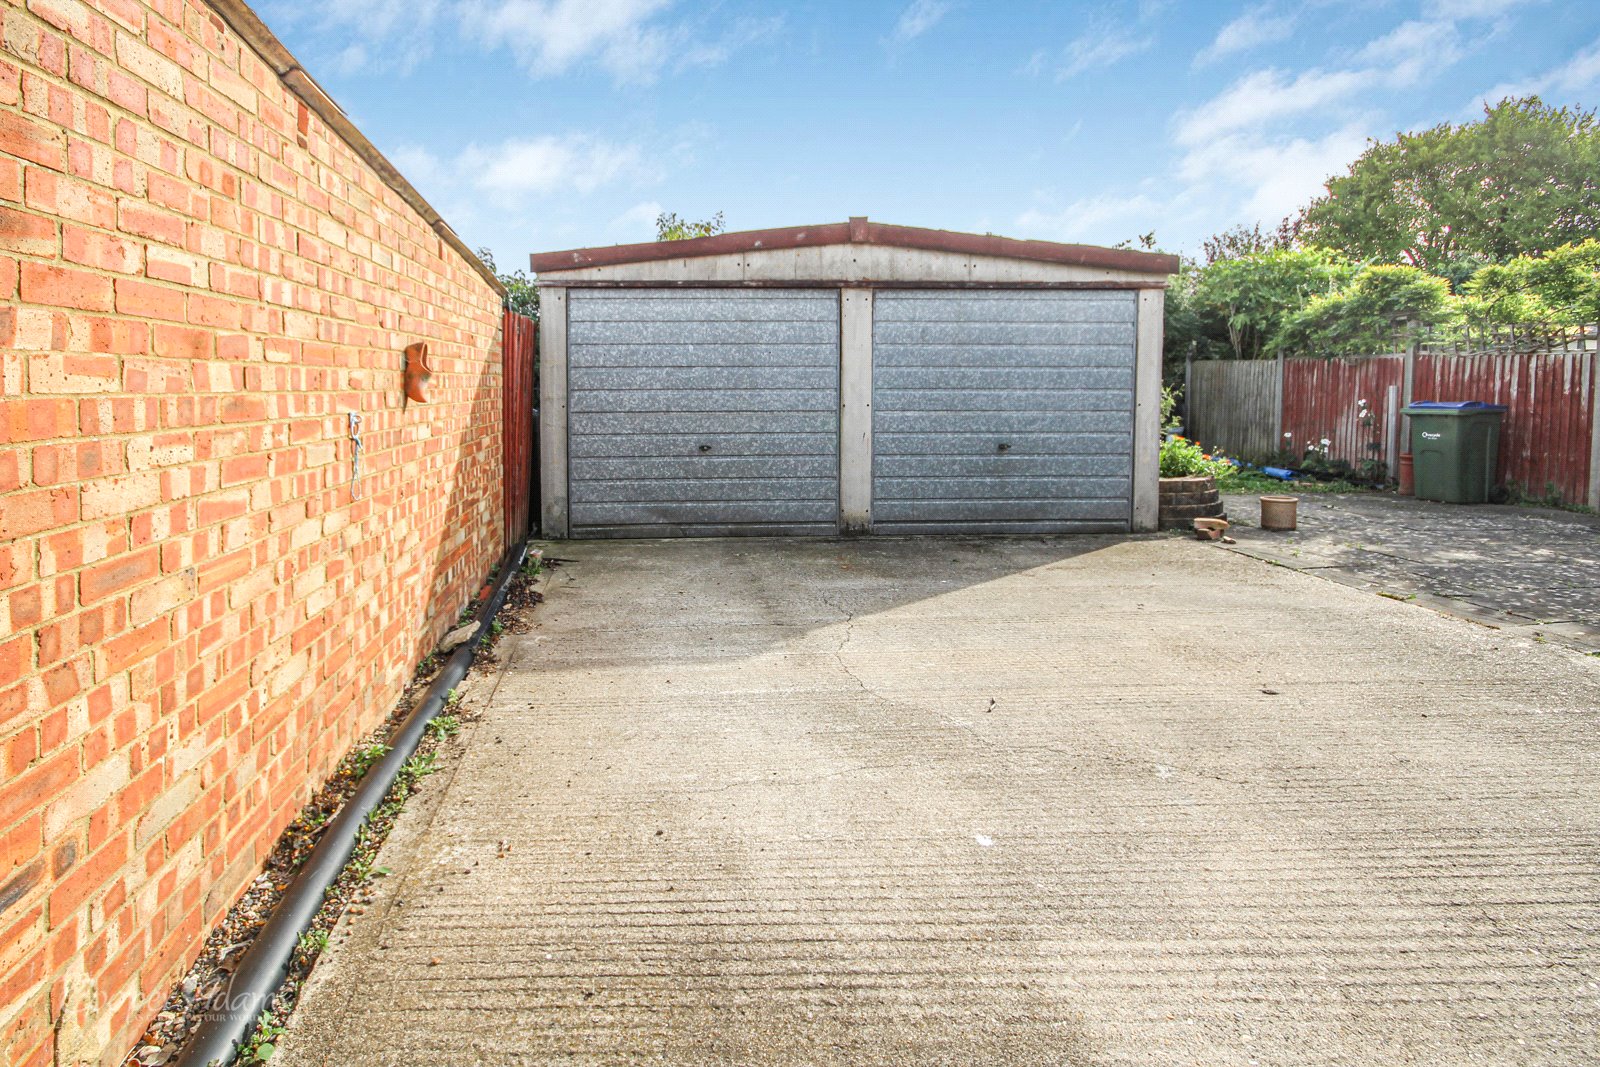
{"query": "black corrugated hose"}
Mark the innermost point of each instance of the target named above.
(265, 963)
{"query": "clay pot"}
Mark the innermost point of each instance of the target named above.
(1279, 512)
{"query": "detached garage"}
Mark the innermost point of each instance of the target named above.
(852, 378)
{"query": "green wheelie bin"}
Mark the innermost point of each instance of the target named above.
(1454, 448)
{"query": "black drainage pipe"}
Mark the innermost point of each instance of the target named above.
(265, 963)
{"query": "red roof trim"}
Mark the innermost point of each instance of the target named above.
(859, 231)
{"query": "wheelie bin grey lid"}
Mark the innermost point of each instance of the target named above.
(1465, 407)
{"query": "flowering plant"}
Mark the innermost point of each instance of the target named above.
(1182, 458)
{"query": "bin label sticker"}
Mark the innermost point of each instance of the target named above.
(1426, 436)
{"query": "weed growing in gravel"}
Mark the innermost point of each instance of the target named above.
(312, 942)
(442, 726)
(414, 770)
(262, 1042)
(362, 759)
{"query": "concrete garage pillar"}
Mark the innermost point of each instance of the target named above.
(855, 411)
(1147, 409)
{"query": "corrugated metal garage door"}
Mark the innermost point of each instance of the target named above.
(1003, 410)
(703, 411)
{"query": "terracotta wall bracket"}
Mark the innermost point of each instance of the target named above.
(418, 371)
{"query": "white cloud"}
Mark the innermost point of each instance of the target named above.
(518, 169)
(1273, 137)
(540, 166)
(715, 52)
(634, 41)
(381, 18)
(550, 37)
(1471, 9)
(1249, 31)
(638, 223)
(422, 169)
(1273, 176)
(1413, 49)
(1269, 95)
(1094, 218)
(1100, 46)
(918, 18)
(1397, 60)
(366, 35)
(1268, 141)
(1580, 73)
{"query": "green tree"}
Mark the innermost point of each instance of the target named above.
(1254, 294)
(521, 295)
(1370, 314)
(1240, 241)
(1558, 288)
(1524, 178)
(669, 227)
(1192, 330)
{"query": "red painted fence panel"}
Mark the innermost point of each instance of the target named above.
(1545, 437)
(1321, 400)
(519, 345)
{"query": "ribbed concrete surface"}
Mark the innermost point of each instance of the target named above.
(1006, 802)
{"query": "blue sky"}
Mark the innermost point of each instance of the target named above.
(535, 125)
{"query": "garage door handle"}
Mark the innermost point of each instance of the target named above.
(1005, 446)
(705, 448)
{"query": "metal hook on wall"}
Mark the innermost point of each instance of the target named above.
(355, 465)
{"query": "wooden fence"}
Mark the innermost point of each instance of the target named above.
(1353, 404)
(519, 344)
(1233, 405)
(1550, 439)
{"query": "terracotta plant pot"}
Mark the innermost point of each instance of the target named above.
(1279, 512)
(1408, 480)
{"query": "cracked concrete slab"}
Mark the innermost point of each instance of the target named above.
(1497, 565)
(1004, 801)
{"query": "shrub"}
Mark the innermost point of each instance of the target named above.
(1182, 458)
(1370, 315)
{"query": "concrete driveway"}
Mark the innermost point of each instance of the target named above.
(1532, 570)
(1075, 801)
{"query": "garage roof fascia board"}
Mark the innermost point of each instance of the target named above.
(858, 231)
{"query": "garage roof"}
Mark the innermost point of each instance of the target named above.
(863, 232)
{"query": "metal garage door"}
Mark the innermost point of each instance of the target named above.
(703, 411)
(1003, 410)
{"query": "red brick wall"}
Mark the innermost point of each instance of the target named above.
(198, 280)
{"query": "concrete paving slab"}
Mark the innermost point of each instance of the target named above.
(960, 801)
(1499, 565)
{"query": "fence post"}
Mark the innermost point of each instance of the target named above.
(1407, 395)
(1277, 408)
(1391, 418)
(1594, 429)
(1188, 394)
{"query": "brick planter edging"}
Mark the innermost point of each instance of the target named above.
(1186, 499)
